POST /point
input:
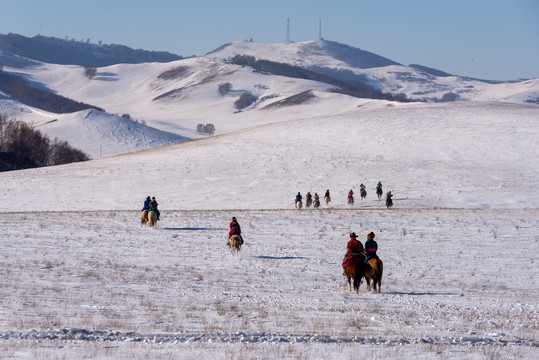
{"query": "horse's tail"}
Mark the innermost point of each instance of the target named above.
(379, 267)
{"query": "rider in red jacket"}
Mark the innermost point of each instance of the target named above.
(354, 250)
(235, 228)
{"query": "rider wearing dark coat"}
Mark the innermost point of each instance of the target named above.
(153, 207)
(298, 197)
(327, 195)
(371, 247)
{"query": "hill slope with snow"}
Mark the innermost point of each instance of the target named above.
(176, 97)
(458, 155)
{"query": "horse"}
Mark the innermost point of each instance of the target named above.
(379, 192)
(298, 204)
(354, 271)
(389, 203)
(235, 242)
(363, 193)
(308, 202)
(373, 271)
(316, 204)
(143, 218)
(327, 199)
(152, 218)
(350, 199)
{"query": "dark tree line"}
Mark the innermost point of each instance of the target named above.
(20, 90)
(70, 52)
(22, 147)
(353, 88)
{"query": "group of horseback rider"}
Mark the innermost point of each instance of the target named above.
(355, 250)
(327, 197)
(150, 204)
(309, 200)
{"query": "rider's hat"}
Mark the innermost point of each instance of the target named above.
(353, 235)
(370, 235)
(233, 218)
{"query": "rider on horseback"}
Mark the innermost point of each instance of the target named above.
(327, 197)
(235, 229)
(371, 247)
(309, 199)
(351, 197)
(379, 190)
(146, 206)
(153, 207)
(298, 197)
(354, 250)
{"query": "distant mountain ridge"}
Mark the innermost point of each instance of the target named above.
(70, 52)
(174, 99)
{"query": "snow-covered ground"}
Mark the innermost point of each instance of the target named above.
(456, 284)
(80, 278)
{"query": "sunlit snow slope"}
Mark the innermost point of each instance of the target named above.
(461, 155)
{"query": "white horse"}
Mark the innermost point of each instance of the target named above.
(143, 218)
(235, 242)
(152, 218)
(298, 204)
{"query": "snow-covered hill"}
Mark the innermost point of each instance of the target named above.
(417, 82)
(176, 97)
(457, 155)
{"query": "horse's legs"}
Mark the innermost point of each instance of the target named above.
(349, 283)
(356, 284)
(368, 281)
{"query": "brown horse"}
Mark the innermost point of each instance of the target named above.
(235, 242)
(143, 218)
(152, 218)
(373, 271)
(354, 272)
(363, 193)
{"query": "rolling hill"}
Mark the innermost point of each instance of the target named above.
(176, 97)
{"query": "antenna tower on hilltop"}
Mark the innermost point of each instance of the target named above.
(287, 30)
(320, 30)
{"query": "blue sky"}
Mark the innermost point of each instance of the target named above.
(489, 39)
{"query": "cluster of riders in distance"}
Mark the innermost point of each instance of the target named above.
(327, 198)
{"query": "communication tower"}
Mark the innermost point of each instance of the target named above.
(287, 30)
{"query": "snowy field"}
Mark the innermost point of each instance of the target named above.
(457, 284)
(81, 279)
